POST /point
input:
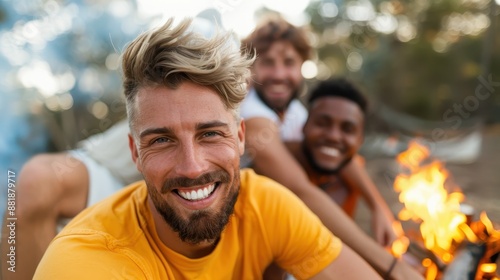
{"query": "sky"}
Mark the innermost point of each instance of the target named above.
(237, 15)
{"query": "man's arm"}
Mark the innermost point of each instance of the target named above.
(271, 158)
(348, 265)
(356, 176)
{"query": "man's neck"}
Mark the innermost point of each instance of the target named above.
(296, 150)
(171, 238)
(317, 178)
(281, 115)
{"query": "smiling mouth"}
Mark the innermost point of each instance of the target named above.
(278, 88)
(197, 194)
(333, 152)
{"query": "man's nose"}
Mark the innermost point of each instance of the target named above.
(190, 161)
(334, 134)
(279, 72)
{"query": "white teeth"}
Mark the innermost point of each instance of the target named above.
(197, 195)
(278, 87)
(333, 152)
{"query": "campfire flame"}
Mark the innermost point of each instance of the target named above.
(426, 200)
(443, 226)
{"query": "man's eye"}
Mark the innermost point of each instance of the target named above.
(160, 140)
(210, 134)
(349, 128)
(322, 123)
(290, 62)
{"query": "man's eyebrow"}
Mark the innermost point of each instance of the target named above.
(165, 130)
(211, 124)
(156, 130)
(352, 120)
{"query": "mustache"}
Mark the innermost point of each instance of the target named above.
(214, 176)
(271, 80)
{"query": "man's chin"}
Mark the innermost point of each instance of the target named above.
(329, 169)
(276, 103)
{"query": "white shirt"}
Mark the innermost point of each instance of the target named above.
(293, 120)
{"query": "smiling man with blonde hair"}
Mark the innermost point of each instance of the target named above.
(195, 215)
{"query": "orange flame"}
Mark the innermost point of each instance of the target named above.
(400, 245)
(425, 199)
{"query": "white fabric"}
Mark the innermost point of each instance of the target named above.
(102, 182)
(110, 149)
(290, 128)
(293, 121)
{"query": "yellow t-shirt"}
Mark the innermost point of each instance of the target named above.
(117, 239)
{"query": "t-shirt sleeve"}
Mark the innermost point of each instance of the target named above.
(86, 257)
(301, 244)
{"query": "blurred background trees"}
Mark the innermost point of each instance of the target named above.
(58, 62)
(421, 62)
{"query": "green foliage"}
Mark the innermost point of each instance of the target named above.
(440, 66)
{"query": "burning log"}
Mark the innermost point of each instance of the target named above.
(422, 253)
(466, 262)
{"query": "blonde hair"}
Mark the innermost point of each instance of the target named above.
(168, 56)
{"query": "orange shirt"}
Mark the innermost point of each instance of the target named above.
(344, 195)
(117, 239)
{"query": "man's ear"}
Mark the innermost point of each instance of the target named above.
(134, 152)
(241, 136)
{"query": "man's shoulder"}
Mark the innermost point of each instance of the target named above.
(118, 218)
(106, 237)
(255, 184)
(284, 219)
(263, 195)
(297, 108)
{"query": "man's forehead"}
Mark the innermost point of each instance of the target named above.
(334, 100)
(181, 93)
(281, 48)
(186, 103)
(336, 105)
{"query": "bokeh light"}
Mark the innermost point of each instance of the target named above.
(354, 61)
(309, 69)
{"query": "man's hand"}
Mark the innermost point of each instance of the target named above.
(403, 271)
(383, 226)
